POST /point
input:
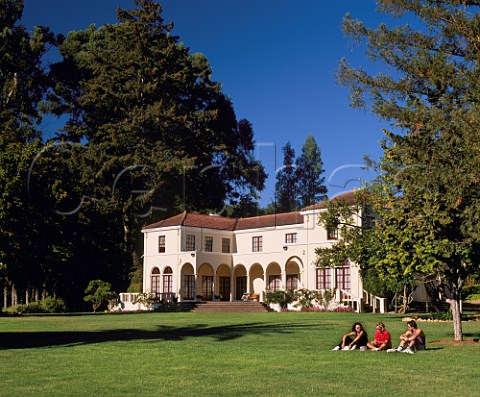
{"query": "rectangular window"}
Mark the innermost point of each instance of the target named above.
(226, 245)
(257, 244)
(332, 234)
(167, 283)
(290, 238)
(190, 242)
(207, 288)
(292, 281)
(274, 282)
(188, 287)
(324, 278)
(208, 244)
(161, 244)
(343, 277)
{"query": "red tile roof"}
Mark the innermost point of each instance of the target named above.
(231, 224)
(223, 223)
(196, 220)
(349, 197)
(287, 218)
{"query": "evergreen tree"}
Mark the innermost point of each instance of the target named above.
(429, 184)
(157, 134)
(286, 189)
(309, 171)
(28, 233)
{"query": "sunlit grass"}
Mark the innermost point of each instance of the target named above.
(188, 354)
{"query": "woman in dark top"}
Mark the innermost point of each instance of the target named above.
(353, 340)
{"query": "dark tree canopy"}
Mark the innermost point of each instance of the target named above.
(149, 133)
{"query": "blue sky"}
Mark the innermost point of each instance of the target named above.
(276, 60)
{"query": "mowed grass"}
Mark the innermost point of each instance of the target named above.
(201, 354)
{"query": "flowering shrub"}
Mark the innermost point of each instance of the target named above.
(343, 309)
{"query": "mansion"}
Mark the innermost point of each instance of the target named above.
(196, 257)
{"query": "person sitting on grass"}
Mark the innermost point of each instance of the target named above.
(412, 340)
(353, 340)
(382, 339)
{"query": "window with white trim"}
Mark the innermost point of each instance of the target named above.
(190, 242)
(290, 238)
(324, 278)
(257, 244)
(208, 244)
(161, 244)
(225, 245)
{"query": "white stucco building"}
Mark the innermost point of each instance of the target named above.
(200, 257)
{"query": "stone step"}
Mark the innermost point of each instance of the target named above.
(229, 307)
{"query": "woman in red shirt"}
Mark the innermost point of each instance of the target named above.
(382, 339)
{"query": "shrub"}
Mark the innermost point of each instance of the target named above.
(283, 298)
(46, 305)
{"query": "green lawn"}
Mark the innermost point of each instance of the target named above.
(196, 354)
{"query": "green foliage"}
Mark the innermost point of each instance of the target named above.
(146, 299)
(46, 305)
(282, 298)
(307, 298)
(427, 195)
(286, 186)
(309, 174)
(441, 316)
(98, 292)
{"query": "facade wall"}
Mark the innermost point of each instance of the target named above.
(280, 261)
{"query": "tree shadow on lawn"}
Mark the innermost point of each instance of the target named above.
(26, 340)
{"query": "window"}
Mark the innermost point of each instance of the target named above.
(161, 244)
(167, 280)
(188, 287)
(343, 277)
(155, 281)
(290, 238)
(208, 243)
(190, 242)
(324, 278)
(257, 244)
(274, 282)
(207, 288)
(332, 234)
(292, 281)
(226, 245)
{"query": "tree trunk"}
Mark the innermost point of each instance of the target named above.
(457, 319)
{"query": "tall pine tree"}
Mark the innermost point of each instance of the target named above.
(309, 172)
(286, 189)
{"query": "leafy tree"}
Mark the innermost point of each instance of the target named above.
(309, 171)
(430, 181)
(286, 189)
(98, 292)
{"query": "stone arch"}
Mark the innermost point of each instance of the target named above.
(293, 272)
(274, 276)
